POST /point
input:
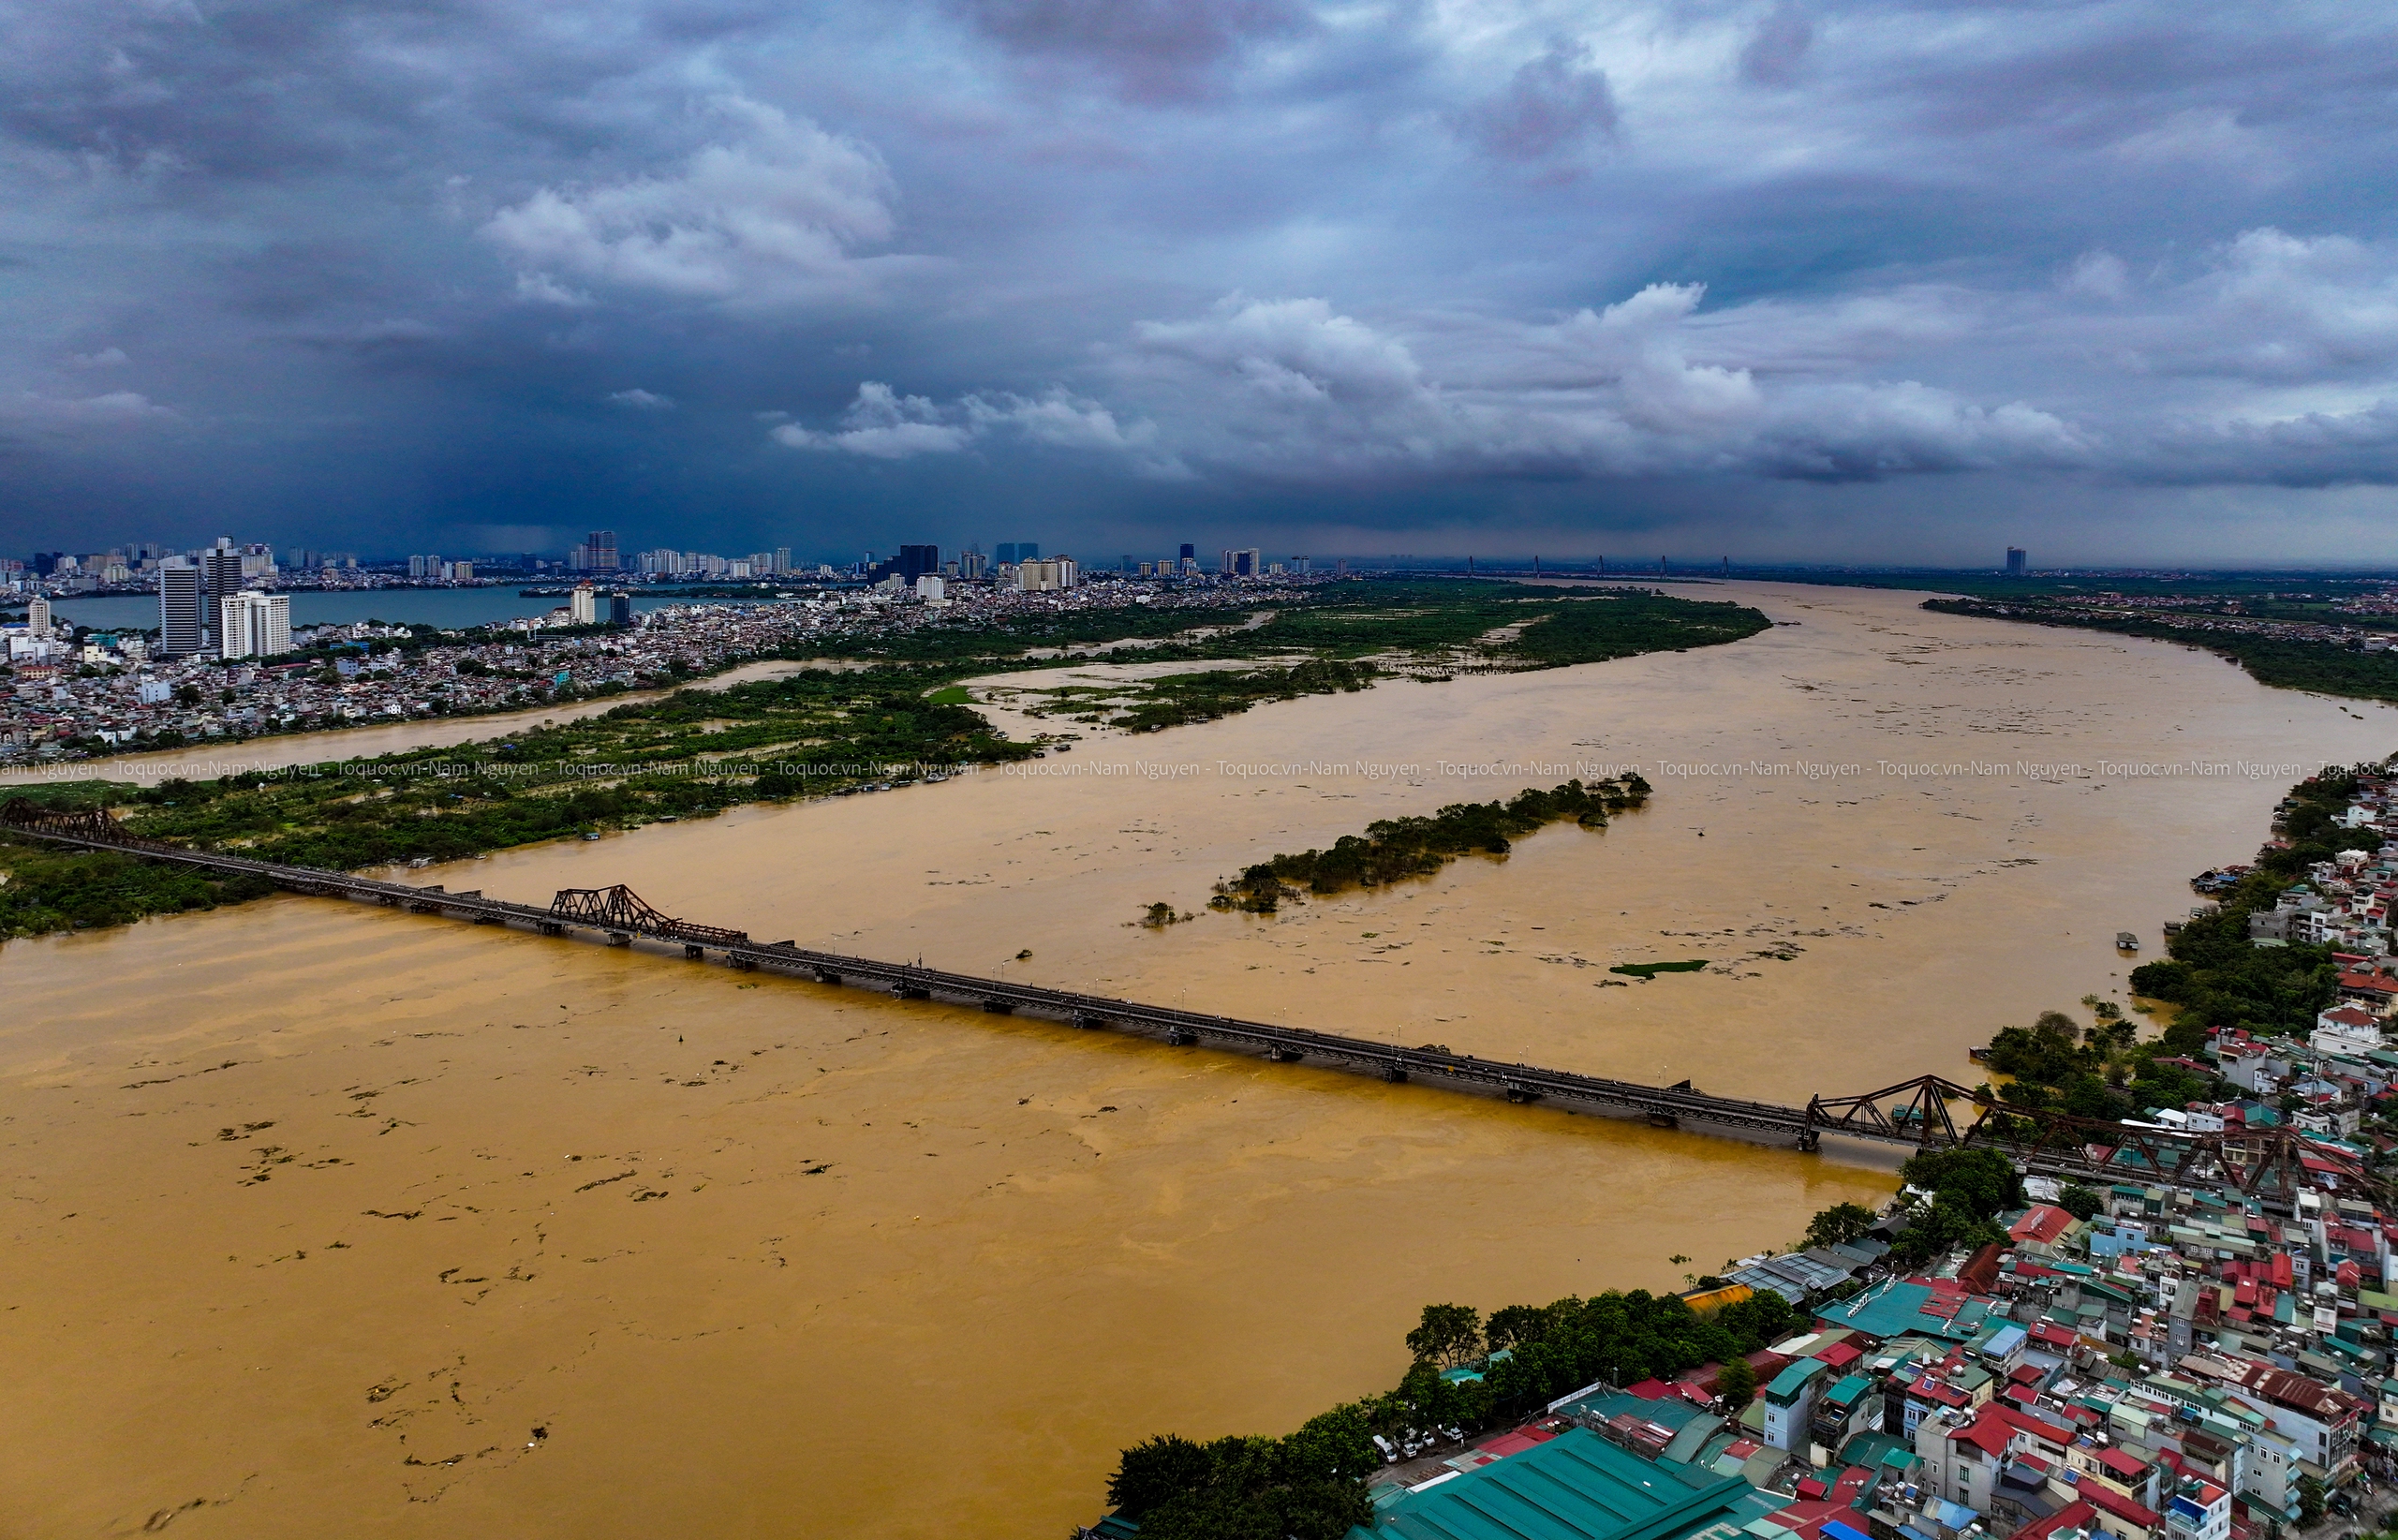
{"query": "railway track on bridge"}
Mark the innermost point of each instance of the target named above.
(1920, 1113)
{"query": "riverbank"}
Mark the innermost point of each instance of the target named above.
(2333, 655)
(258, 756)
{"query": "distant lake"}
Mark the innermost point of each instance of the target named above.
(448, 608)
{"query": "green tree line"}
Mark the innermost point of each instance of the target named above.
(2216, 977)
(1395, 848)
(1312, 1484)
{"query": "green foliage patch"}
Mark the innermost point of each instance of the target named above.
(1312, 1484)
(2217, 976)
(1624, 624)
(1394, 849)
(52, 888)
(1969, 1188)
(1177, 700)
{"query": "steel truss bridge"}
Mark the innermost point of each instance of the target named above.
(1926, 1113)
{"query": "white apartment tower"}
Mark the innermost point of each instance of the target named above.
(254, 625)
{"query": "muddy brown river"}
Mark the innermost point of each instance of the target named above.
(324, 1220)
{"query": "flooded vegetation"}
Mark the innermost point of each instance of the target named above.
(1395, 848)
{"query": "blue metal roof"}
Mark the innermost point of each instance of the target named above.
(1896, 1310)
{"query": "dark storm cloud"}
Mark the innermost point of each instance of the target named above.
(1149, 50)
(1555, 102)
(724, 272)
(1778, 47)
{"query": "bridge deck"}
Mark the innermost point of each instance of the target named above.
(1670, 1105)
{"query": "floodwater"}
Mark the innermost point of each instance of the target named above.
(325, 1219)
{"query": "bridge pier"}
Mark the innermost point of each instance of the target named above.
(1281, 1055)
(1928, 1112)
(745, 965)
(911, 991)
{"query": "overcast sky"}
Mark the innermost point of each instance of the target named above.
(2116, 281)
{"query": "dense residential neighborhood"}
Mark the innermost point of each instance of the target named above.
(72, 692)
(2152, 1362)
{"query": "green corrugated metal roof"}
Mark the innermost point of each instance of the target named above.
(1894, 1309)
(1575, 1486)
(1794, 1378)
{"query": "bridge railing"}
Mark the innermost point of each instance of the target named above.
(1919, 1111)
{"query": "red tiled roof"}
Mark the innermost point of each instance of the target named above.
(2122, 1464)
(2073, 1516)
(1934, 1389)
(2043, 1223)
(2098, 1496)
(2038, 1426)
(1805, 1521)
(1986, 1433)
(2298, 1392)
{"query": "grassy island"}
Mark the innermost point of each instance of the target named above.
(1395, 848)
